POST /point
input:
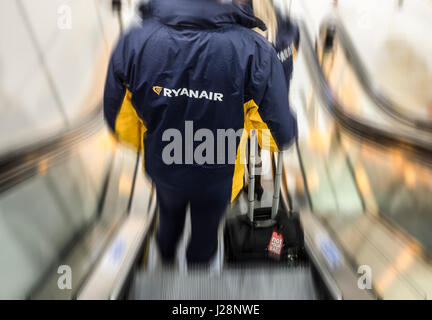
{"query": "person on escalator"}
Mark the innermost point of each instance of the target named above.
(282, 31)
(284, 35)
(191, 70)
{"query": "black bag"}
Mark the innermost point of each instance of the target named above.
(244, 241)
(247, 236)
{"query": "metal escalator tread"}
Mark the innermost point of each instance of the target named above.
(282, 283)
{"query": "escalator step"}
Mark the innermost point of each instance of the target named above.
(233, 284)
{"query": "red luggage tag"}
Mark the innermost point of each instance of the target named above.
(275, 245)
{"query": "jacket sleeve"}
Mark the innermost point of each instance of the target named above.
(269, 110)
(115, 85)
(296, 39)
(295, 49)
(119, 111)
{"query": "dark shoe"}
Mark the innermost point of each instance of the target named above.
(168, 260)
(259, 191)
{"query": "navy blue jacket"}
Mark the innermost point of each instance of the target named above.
(196, 62)
(287, 43)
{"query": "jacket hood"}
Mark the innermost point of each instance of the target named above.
(200, 13)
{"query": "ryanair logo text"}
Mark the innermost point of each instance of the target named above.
(197, 94)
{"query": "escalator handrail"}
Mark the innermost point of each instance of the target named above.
(23, 163)
(376, 95)
(360, 129)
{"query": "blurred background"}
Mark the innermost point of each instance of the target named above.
(77, 212)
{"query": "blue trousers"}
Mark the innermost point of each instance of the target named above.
(207, 205)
